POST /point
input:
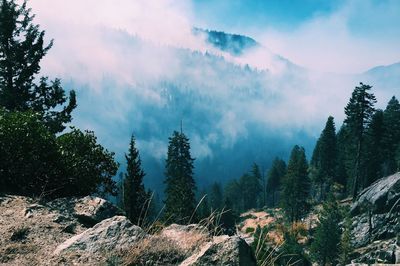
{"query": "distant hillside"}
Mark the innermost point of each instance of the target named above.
(234, 44)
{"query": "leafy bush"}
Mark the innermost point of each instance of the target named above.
(249, 230)
(29, 158)
(34, 162)
(88, 166)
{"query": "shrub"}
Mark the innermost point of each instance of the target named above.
(88, 166)
(34, 162)
(249, 230)
(29, 159)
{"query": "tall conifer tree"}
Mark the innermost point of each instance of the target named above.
(216, 196)
(275, 176)
(21, 50)
(180, 185)
(359, 112)
(296, 186)
(325, 247)
(134, 193)
(324, 160)
(391, 137)
(374, 149)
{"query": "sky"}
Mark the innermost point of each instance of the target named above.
(330, 36)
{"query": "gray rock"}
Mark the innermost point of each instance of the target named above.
(88, 210)
(381, 197)
(223, 250)
(112, 234)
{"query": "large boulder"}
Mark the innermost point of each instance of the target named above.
(223, 250)
(88, 211)
(381, 197)
(116, 233)
(376, 222)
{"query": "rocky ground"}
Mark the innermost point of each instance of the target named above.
(375, 228)
(376, 222)
(91, 231)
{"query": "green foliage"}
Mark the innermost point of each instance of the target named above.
(324, 159)
(249, 230)
(228, 218)
(134, 193)
(233, 194)
(21, 50)
(204, 210)
(296, 186)
(391, 136)
(180, 186)
(292, 253)
(88, 166)
(264, 253)
(374, 149)
(345, 242)
(359, 113)
(275, 176)
(325, 247)
(29, 158)
(216, 196)
(250, 190)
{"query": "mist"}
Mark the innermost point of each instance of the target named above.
(138, 69)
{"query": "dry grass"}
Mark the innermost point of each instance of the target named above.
(156, 250)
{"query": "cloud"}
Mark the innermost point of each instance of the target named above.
(352, 39)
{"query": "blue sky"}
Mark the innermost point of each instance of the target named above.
(282, 14)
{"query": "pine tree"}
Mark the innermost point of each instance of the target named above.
(391, 137)
(324, 159)
(342, 176)
(325, 247)
(216, 197)
(251, 188)
(374, 149)
(296, 186)
(180, 185)
(359, 112)
(233, 194)
(256, 174)
(135, 196)
(21, 50)
(275, 175)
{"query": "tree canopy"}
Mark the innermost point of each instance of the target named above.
(21, 50)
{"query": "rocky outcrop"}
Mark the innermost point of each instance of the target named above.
(381, 197)
(222, 250)
(116, 233)
(376, 222)
(88, 210)
(54, 233)
(191, 245)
